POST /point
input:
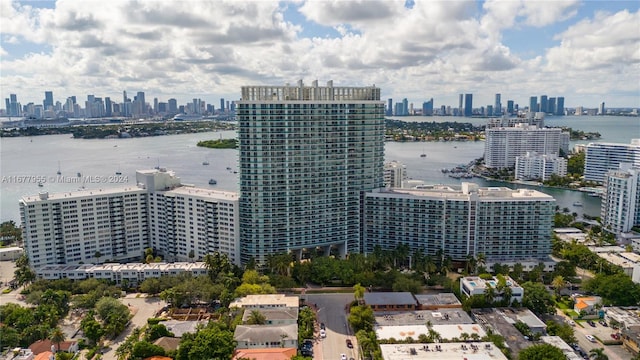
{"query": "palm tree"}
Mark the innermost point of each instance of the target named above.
(56, 337)
(256, 318)
(97, 255)
(481, 260)
(489, 294)
(470, 264)
(598, 354)
(558, 283)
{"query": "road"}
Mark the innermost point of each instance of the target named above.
(331, 312)
(614, 352)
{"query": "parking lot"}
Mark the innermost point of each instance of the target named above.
(601, 333)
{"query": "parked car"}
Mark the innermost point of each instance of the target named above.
(322, 326)
(571, 322)
(603, 323)
(343, 357)
(590, 338)
(323, 334)
(349, 344)
(615, 336)
(590, 322)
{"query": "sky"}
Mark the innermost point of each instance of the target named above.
(586, 51)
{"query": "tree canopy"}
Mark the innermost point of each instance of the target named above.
(542, 352)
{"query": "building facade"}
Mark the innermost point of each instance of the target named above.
(180, 223)
(503, 224)
(533, 166)
(602, 157)
(504, 144)
(306, 155)
(394, 174)
(620, 209)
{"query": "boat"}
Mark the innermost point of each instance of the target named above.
(118, 173)
(79, 174)
(594, 194)
(205, 163)
(59, 172)
(423, 155)
(40, 184)
(228, 168)
(212, 181)
(577, 203)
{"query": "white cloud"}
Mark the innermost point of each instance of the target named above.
(201, 48)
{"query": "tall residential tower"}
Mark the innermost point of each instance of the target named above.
(307, 154)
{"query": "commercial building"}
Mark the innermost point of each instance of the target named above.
(504, 144)
(306, 155)
(390, 301)
(620, 209)
(505, 225)
(534, 166)
(474, 285)
(602, 157)
(181, 223)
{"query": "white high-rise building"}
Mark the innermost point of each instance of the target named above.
(620, 209)
(306, 155)
(505, 225)
(85, 226)
(181, 223)
(602, 157)
(504, 144)
(394, 174)
(533, 166)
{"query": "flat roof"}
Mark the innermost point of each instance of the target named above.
(421, 317)
(11, 248)
(414, 331)
(438, 299)
(266, 299)
(206, 193)
(81, 193)
(450, 351)
(389, 298)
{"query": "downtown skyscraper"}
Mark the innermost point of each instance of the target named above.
(307, 155)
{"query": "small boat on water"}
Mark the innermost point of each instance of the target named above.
(423, 155)
(594, 194)
(577, 203)
(79, 174)
(212, 181)
(40, 184)
(228, 168)
(205, 163)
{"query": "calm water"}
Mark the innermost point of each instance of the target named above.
(42, 156)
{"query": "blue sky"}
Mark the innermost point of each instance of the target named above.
(586, 51)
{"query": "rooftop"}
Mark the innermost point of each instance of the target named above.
(47, 196)
(389, 298)
(204, 193)
(414, 331)
(266, 300)
(560, 344)
(437, 299)
(450, 351)
(265, 354)
(266, 333)
(422, 317)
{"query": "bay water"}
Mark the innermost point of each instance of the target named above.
(93, 164)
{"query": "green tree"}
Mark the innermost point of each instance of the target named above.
(541, 352)
(57, 337)
(10, 233)
(405, 283)
(558, 284)
(598, 354)
(156, 331)
(144, 349)
(564, 331)
(114, 315)
(212, 342)
(537, 298)
(91, 328)
(361, 318)
(256, 318)
(358, 291)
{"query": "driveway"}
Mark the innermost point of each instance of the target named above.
(143, 308)
(331, 312)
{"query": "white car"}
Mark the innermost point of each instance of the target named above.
(323, 334)
(343, 357)
(590, 338)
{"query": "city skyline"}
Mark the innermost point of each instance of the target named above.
(435, 49)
